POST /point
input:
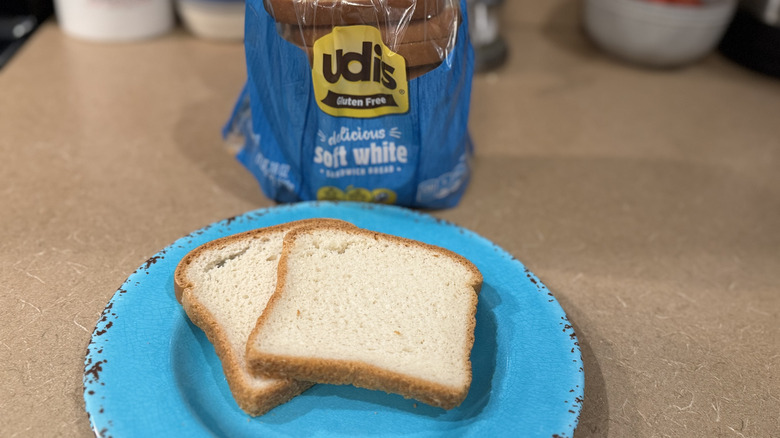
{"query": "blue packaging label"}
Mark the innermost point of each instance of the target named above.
(350, 120)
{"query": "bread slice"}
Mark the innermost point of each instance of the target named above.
(354, 306)
(224, 286)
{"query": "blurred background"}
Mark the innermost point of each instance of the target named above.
(646, 33)
(18, 20)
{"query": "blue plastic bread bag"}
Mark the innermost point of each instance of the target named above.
(361, 100)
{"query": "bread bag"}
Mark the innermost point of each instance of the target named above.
(363, 100)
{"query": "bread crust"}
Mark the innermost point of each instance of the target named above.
(180, 279)
(354, 372)
(338, 12)
(251, 400)
(434, 28)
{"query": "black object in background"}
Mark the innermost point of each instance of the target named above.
(18, 20)
(753, 43)
(490, 49)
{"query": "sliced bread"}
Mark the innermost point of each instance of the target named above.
(224, 285)
(354, 306)
(343, 12)
(437, 27)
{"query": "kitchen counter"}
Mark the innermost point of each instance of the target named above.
(647, 201)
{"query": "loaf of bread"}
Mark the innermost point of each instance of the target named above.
(344, 12)
(416, 53)
(437, 27)
(353, 306)
(224, 285)
(423, 32)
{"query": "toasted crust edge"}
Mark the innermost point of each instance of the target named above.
(340, 372)
(354, 372)
(251, 400)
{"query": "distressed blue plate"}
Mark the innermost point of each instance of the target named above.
(150, 372)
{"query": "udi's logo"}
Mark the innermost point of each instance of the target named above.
(355, 75)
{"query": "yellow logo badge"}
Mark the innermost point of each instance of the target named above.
(355, 75)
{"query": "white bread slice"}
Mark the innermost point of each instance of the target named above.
(224, 286)
(377, 311)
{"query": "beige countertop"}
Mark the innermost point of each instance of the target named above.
(647, 201)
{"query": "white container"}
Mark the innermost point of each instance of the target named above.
(213, 19)
(657, 34)
(113, 20)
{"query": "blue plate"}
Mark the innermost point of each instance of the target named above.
(150, 372)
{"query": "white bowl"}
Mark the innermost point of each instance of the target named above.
(118, 21)
(657, 34)
(213, 19)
